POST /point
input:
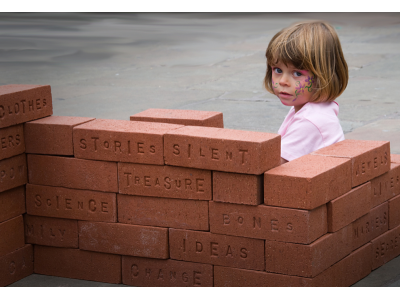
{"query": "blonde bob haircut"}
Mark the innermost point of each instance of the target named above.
(313, 46)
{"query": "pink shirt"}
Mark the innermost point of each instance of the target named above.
(314, 126)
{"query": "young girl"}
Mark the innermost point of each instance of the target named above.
(306, 70)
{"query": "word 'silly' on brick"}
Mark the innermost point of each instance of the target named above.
(222, 149)
(238, 188)
(181, 116)
(21, 103)
(72, 172)
(78, 264)
(395, 158)
(58, 202)
(16, 265)
(308, 260)
(164, 181)
(268, 222)
(13, 172)
(51, 231)
(386, 186)
(122, 140)
(11, 235)
(117, 238)
(51, 135)
(12, 141)
(385, 247)
(349, 207)
(216, 249)
(394, 212)
(307, 182)
(369, 159)
(163, 212)
(370, 226)
(147, 272)
(12, 203)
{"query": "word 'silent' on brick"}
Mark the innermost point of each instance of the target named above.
(13, 172)
(12, 203)
(307, 182)
(11, 235)
(147, 272)
(369, 159)
(16, 265)
(181, 116)
(164, 181)
(238, 188)
(395, 158)
(21, 103)
(73, 173)
(386, 186)
(12, 141)
(385, 247)
(78, 264)
(394, 212)
(122, 141)
(268, 222)
(51, 135)
(58, 202)
(222, 149)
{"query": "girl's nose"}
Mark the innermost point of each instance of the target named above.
(284, 80)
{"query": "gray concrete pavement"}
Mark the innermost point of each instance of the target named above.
(114, 65)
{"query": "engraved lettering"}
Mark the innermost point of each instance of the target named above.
(167, 183)
(202, 155)
(274, 225)
(17, 139)
(196, 278)
(148, 272)
(157, 182)
(23, 105)
(134, 270)
(104, 207)
(12, 267)
(140, 148)
(185, 277)
(243, 253)
(3, 143)
(289, 227)
(229, 252)
(38, 104)
(147, 181)
(10, 141)
(199, 185)
(172, 275)
(228, 155)
(240, 220)
(68, 203)
(199, 247)
(30, 103)
(152, 149)
(214, 154)
(189, 145)
(29, 230)
(92, 205)
(95, 143)
(2, 113)
(188, 183)
(256, 222)
(16, 108)
(117, 145)
(160, 274)
(80, 205)
(214, 249)
(375, 162)
(137, 179)
(226, 219)
(106, 144)
(38, 201)
(243, 153)
(127, 175)
(176, 149)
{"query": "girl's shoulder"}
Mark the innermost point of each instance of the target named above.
(310, 109)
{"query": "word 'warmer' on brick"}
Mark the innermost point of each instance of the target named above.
(222, 149)
(12, 141)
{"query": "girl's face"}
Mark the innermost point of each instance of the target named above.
(292, 86)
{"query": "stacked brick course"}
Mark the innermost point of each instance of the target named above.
(171, 198)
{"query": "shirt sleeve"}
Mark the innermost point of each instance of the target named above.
(301, 138)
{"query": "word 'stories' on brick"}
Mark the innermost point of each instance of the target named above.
(164, 181)
(12, 141)
(369, 159)
(181, 116)
(20, 103)
(16, 265)
(121, 140)
(13, 172)
(222, 149)
(307, 182)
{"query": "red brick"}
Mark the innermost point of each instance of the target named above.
(216, 249)
(78, 264)
(395, 158)
(24, 102)
(121, 140)
(386, 186)
(164, 181)
(238, 188)
(349, 207)
(370, 225)
(13, 172)
(11, 235)
(181, 116)
(72, 172)
(394, 212)
(138, 271)
(16, 265)
(12, 141)
(163, 212)
(268, 222)
(51, 231)
(12, 203)
(308, 260)
(231, 277)
(116, 238)
(369, 158)
(66, 203)
(307, 182)
(222, 149)
(385, 247)
(52, 135)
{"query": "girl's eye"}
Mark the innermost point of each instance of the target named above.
(277, 70)
(297, 74)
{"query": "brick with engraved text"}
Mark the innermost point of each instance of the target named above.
(222, 149)
(78, 264)
(164, 181)
(369, 159)
(13, 172)
(72, 172)
(21, 103)
(385, 247)
(307, 182)
(216, 249)
(12, 203)
(12, 141)
(52, 135)
(147, 272)
(394, 212)
(16, 265)
(11, 235)
(163, 212)
(386, 186)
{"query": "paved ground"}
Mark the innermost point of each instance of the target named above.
(114, 65)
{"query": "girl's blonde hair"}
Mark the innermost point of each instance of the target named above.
(313, 46)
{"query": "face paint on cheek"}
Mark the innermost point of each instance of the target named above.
(310, 81)
(274, 85)
(299, 89)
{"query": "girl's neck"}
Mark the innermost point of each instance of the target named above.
(298, 107)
